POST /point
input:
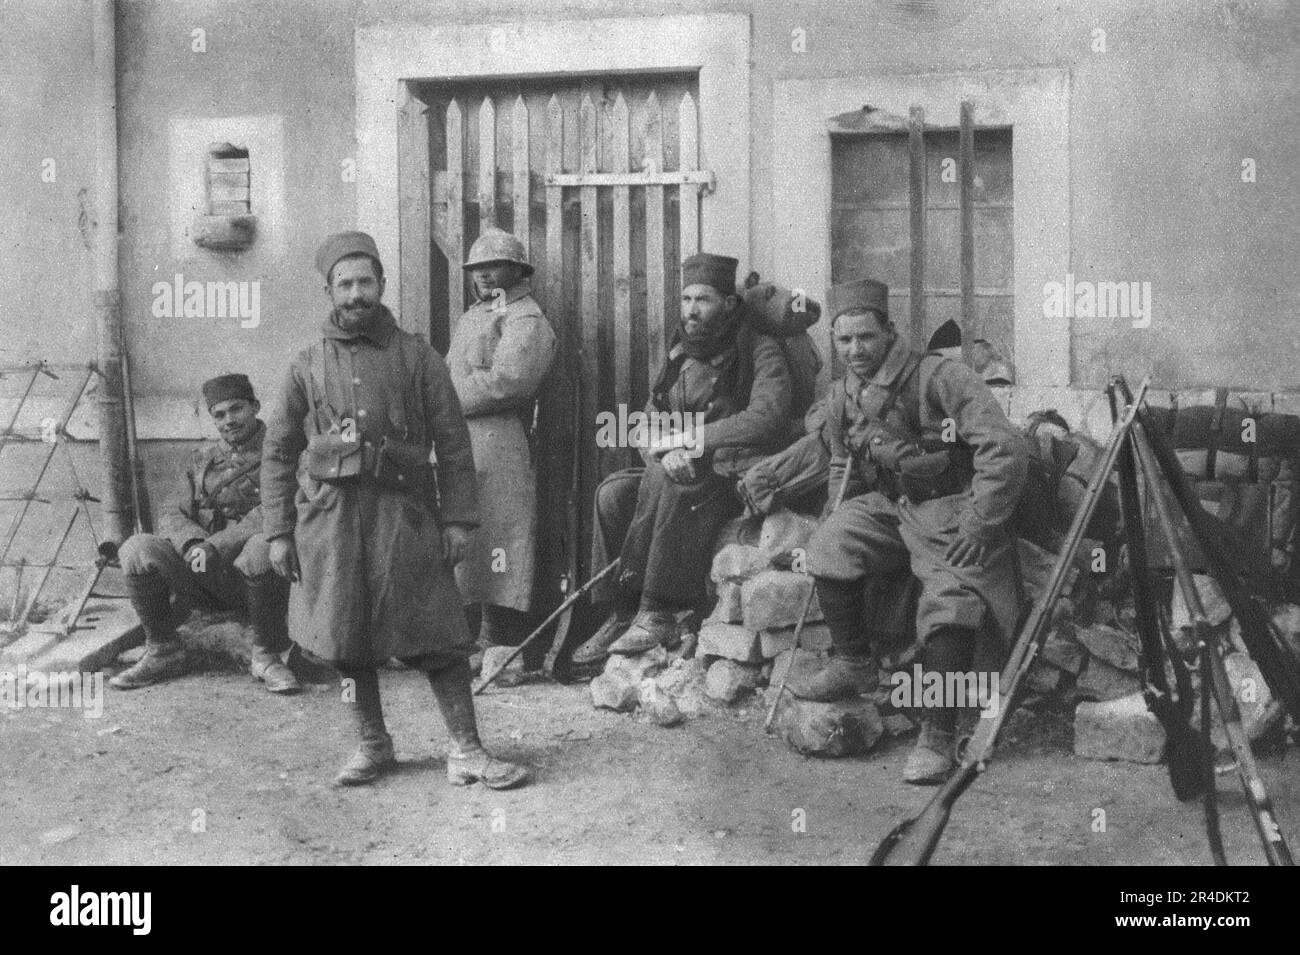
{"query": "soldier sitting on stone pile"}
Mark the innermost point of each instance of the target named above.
(936, 472)
(211, 552)
(660, 521)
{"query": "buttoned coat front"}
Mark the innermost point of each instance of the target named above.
(500, 351)
(374, 584)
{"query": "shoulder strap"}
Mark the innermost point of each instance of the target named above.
(210, 498)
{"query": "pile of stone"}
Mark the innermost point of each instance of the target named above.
(1089, 662)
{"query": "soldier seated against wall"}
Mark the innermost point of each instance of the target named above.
(211, 552)
(733, 385)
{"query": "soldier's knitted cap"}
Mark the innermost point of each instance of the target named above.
(862, 294)
(342, 244)
(227, 387)
(719, 271)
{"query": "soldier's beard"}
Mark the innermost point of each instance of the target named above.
(350, 319)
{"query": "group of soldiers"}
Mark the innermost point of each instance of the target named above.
(392, 487)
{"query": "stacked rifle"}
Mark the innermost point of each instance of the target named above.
(1134, 444)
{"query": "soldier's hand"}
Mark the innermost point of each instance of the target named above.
(966, 552)
(680, 467)
(455, 542)
(284, 558)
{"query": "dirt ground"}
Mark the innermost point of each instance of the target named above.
(212, 769)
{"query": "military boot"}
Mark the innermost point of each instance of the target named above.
(164, 654)
(467, 761)
(375, 755)
(596, 649)
(853, 669)
(650, 629)
(268, 608)
(933, 756)
(841, 677)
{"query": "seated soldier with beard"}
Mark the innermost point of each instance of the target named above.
(660, 521)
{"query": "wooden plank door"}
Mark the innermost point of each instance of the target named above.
(600, 178)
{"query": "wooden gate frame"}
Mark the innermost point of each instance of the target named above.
(389, 56)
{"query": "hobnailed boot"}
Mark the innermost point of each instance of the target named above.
(596, 649)
(933, 756)
(467, 761)
(852, 670)
(375, 755)
(164, 655)
(268, 608)
(842, 677)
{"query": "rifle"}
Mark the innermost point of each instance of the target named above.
(1214, 681)
(916, 838)
(1188, 750)
(558, 611)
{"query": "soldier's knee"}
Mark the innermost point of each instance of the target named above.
(614, 493)
(142, 554)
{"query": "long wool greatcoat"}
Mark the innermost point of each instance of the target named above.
(498, 356)
(374, 584)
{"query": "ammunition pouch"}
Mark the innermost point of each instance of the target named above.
(926, 476)
(334, 459)
(400, 465)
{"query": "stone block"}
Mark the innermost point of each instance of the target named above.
(1286, 617)
(728, 640)
(1117, 647)
(659, 707)
(614, 692)
(1248, 689)
(637, 667)
(683, 682)
(738, 563)
(729, 608)
(727, 680)
(1101, 681)
(896, 724)
(738, 530)
(842, 728)
(774, 598)
(784, 531)
(1063, 652)
(1122, 728)
(815, 636)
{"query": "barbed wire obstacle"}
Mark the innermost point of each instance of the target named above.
(27, 485)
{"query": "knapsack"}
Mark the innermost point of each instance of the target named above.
(787, 316)
(1061, 464)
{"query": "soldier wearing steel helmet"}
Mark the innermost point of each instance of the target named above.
(501, 349)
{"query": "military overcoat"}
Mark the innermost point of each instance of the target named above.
(500, 351)
(374, 584)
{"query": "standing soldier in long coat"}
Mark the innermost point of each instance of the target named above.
(210, 550)
(941, 471)
(500, 351)
(355, 518)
